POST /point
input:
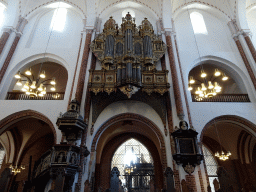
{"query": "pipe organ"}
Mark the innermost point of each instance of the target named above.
(128, 56)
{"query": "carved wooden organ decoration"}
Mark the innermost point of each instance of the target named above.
(128, 57)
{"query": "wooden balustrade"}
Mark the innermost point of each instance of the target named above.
(23, 96)
(224, 98)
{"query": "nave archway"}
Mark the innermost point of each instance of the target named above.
(121, 129)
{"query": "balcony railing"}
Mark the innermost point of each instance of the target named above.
(224, 98)
(23, 96)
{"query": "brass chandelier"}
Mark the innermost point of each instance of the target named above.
(34, 87)
(204, 88)
(16, 169)
(222, 155)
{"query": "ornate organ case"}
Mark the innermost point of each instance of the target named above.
(128, 57)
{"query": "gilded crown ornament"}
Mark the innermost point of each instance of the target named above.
(128, 56)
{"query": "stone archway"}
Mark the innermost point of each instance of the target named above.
(229, 118)
(15, 117)
(237, 135)
(25, 136)
(118, 130)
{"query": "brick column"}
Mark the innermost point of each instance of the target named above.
(4, 38)
(250, 45)
(176, 88)
(9, 56)
(191, 182)
(20, 27)
(86, 119)
(83, 68)
(176, 178)
(246, 62)
(201, 179)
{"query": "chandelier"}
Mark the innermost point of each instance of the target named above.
(222, 155)
(35, 87)
(16, 169)
(129, 169)
(207, 88)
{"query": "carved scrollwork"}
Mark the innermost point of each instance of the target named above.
(131, 52)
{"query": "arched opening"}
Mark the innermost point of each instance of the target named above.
(211, 83)
(116, 132)
(25, 138)
(135, 164)
(237, 135)
(41, 81)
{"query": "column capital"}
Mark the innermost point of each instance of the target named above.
(170, 32)
(246, 32)
(8, 29)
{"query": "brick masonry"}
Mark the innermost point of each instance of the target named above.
(201, 179)
(246, 62)
(250, 45)
(83, 68)
(176, 174)
(9, 57)
(3, 40)
(191, 183)
(176, 88)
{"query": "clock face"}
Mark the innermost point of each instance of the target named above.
(186, 146)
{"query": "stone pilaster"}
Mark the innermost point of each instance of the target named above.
(4, 38)
(175, 81)
(83, 68)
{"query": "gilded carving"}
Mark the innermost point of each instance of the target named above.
(132, 53)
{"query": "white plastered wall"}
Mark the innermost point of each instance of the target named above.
(220, 47)
(62, 47)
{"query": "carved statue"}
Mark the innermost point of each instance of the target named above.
(183, 125)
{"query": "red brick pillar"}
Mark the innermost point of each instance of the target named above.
(83, 68)
(201, 179)
(20, 27)
(86, 119)
(191, 182)
(176, 88)
(250, 45)
(9, 56)
(176, 178)
(4, 38)
(246, 62)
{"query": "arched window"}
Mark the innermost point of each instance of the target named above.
(198, 23)
(2, 9)
(131, 154)
(59, 16)
(211, 165)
